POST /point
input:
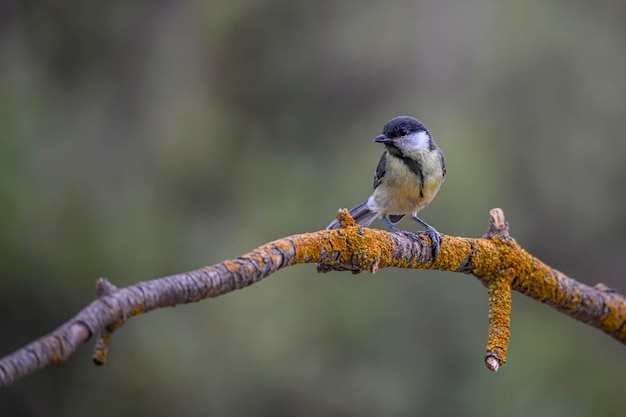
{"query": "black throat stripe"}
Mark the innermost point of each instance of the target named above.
(414, 165)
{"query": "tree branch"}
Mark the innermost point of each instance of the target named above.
(496, 260)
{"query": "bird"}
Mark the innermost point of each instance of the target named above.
(407, 178)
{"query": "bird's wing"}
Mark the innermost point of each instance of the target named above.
(443, 165)
(380, 170)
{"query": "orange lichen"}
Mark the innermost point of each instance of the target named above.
(308, 247)
(138, 309)
(368, 249)
(452, 253)
(115, 325)
(56, 358)
(500, 315)
(232, 266)
(99, 357)
(613, 319)
(345, 219)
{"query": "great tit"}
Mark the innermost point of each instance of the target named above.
(407, 178)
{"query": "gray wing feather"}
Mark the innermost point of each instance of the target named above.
(380, 170)
(443, 165)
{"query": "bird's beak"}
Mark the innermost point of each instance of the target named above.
(381, 139)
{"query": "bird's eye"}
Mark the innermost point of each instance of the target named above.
(403, 132)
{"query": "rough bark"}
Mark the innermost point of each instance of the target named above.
(495, 259)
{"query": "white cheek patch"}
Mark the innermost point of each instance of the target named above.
(418, 140)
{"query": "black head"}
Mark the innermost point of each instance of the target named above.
(405, 134)
(403, 126)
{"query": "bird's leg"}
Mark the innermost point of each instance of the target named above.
(394, 229)
(435, 237)
(389, 224)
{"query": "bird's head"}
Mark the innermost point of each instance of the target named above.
(404, 135)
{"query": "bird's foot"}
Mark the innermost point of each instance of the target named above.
(434, 235)
(410, 235)
(435, 238)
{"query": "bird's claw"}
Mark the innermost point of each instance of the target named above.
(434, 235)
(410, 235)
(435, 238)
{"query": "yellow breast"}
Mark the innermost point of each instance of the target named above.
(401, 190)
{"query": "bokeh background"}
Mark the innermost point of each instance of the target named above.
(141, 139)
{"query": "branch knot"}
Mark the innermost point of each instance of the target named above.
(498, 226)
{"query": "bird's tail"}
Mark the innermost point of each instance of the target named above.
(361, 215)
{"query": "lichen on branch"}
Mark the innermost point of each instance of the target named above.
(495, 259)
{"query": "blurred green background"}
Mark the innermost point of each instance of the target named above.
(141, 139)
